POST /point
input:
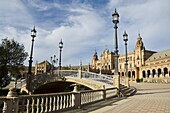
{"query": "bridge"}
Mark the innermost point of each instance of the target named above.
(101, 88)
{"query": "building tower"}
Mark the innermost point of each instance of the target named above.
(139, 52)
(94, 60)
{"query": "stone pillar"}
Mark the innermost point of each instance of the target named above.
(116, 83)
(104, 92)
(77, 100)
(127, 82)
(157, 77)
(11, 105)
(79, 73)
(80, 70)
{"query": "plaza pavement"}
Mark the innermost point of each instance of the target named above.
(150, 98)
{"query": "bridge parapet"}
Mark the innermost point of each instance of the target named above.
(41, 103)
(42, 79)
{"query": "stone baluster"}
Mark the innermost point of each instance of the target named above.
(42, 105)
(67, 101)
(73, 99)
(70, 100)
(61, 101)
(64, 101)
(33, 104)
(46, 104)
(54, 103)
(28, 102)
(50, 104)
(38, 105)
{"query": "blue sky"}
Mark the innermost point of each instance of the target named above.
(84, 25)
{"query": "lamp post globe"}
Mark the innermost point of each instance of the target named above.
(115, 16)
(61, 44)
(33, 32)
(125, 36)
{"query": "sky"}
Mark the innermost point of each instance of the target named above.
(84, 26)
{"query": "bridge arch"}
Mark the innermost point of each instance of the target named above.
(90, 80)
(58, 86)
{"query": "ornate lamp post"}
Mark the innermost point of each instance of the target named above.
(60, 46)
(115, 20)
(53, 61)
(125, 38)
(33, 35)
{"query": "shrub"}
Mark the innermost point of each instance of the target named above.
(137, 80)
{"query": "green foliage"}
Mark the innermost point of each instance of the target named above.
(66, 68)
(12, 57)
(139, 80)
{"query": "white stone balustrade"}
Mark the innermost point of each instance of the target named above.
(42, 79)
(46, 103)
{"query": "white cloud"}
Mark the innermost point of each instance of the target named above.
(83, 27)
(79, 38)
(148, 17)
(13, 13)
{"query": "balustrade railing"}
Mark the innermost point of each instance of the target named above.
(39, 80)
(157, 79)
(46, 103)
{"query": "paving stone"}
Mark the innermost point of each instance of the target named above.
(150, 98)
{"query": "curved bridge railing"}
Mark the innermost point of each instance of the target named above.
(42, 79)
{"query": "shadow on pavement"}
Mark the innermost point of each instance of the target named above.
(95, 106)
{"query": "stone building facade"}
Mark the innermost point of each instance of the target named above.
(42, 67)
(142, 63)
(105, 64)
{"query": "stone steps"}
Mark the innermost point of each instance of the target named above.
(126, 92)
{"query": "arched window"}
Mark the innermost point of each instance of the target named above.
(133, 74)
(159, 72)
(122, 73)
(153, 72)
(129, 74)
(148, 73)
(144, 74)
(165, 71)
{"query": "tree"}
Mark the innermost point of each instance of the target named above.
(12, 57)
